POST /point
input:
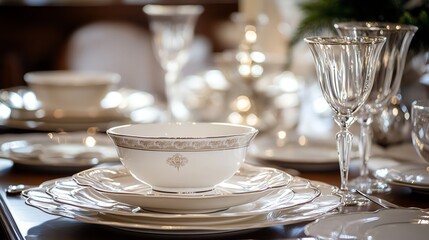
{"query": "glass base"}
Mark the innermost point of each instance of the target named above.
(369, 185)
(353, 199)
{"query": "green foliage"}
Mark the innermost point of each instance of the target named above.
(320, 15)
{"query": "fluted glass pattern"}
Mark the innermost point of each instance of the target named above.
(390, 65)
(345, 68)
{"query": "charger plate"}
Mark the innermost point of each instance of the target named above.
(324, 204)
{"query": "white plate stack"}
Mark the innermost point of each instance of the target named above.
(255, 197)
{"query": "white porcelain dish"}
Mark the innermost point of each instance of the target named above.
(21, 109)
(300, 191)
(413, 175)
(182, 156)
(59, 151)
(321, 205)
(312, 156)
(300, 152)
(73, 91)
(383, 224)
(248, 184)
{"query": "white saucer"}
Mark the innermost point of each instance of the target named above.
(383, 224)
(66, 191)
(327, 201)
(249, 184)
(118, 107)
(413, 175)
(59, 150)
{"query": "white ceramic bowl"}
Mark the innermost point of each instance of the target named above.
(73, 91)
(182, 157)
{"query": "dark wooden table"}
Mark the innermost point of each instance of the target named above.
(20, 221)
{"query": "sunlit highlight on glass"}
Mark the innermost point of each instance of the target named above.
(216, 80)
(302, 140)
(235, 117)
(4, 111)
(281, 134)
(90, 141)
(16, 100)
(112, 100)
(252, 119)
(30, 101)
(243, 104)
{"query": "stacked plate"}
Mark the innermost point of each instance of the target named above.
(255, 197)
(72, 152)
(412, 175)
(21, 109)
(405, 223)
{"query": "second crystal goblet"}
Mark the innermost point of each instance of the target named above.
(420, 128)
(345, 69)
(172, 30)
(390, 66)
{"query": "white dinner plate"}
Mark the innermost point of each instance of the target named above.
(302, 153)
(300, 191)
(413, 175)
(313, 155)
(324, 204)
(381, 225)
(248, 184)
(21, 110)
(59, 151)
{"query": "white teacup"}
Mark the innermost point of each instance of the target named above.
(182, 157)
(71, 91)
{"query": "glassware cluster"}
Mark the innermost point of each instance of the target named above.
(388, 75)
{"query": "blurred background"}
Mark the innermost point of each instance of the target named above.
(73, 34)
(113, 35)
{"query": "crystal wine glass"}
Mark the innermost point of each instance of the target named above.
(345, 69)
(172, 28)
(390, 66)
(420, 128)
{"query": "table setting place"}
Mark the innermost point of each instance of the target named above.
(184, 178)
(129, 162)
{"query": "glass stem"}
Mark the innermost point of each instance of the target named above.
(170, 79)
(344, 145)
(365, 139)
